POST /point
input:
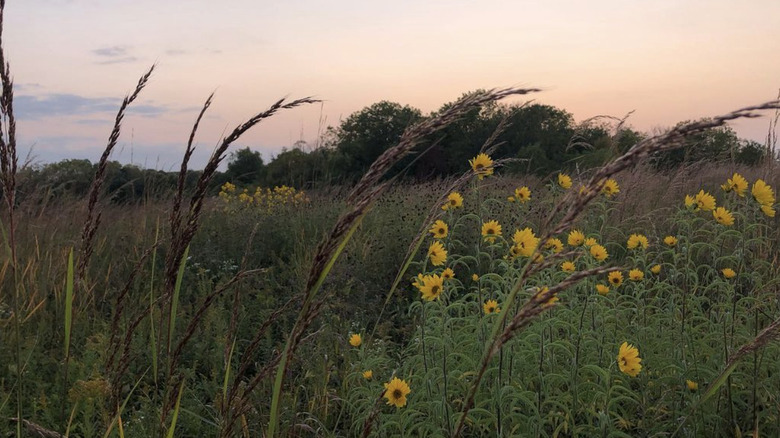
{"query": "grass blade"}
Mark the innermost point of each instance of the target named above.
(175, 411)
(68, 305)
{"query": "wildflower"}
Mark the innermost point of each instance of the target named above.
(689, 201)
(491, 306)
(636, 274)
(396, 391)
(615, 278)
(418, 282)
(728, 272)
(763, 193)
(590, 241)
(474, 277)
(432, 287)
(490, 230)
(723, 216)
(439, 229)
(576, 238)
(568, 266)
(655, 269)
(437, 253)
(670, 241)
(368, 374)
(602, 289)
(610, 188)
(768, 210)
(448, 274)
(355, 340)
(737, 183)
(599, 252)
(637, 240)
(549, 301)
(454, 200)
(628, 360)
(482, 165)
(526, 241)
(693, 386)
(564, 180)
(523, 194)
(555, 244)
(704, 201)
(510, 198)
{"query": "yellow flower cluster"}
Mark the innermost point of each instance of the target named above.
(262, 200)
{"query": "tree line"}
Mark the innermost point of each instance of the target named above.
(540, 138)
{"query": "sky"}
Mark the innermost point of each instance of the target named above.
(74, 60)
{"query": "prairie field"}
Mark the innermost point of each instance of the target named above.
(494, 319)
(482, 270)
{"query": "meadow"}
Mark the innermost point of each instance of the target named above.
(612, 301)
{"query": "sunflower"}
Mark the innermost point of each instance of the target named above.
(396, 391)
(723, 216)
(703, 201)
(439, 229)
(523, 194)
(737, 183)
(564, 180)
(418, 281)
(454, 200)
(437, 253)
(599, 252)
(368, 374)
(526, 242)
(590, 241)
(490, 307)
(482, 165)
(448, 274)
(636, 274)
(555, 244)
(728, 272)
(568, 266)
(576, 238)
(490, 230)
(628, 360)
(768, 210)
(610, 188)
(602, 289)
(637, 240)
(763, 193)
(355, 340)
(670, 241)
(474, 277)
(655, 269)
(692, 386)
(615, 278)
(432, 287)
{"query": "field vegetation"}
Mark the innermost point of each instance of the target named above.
(445, 284)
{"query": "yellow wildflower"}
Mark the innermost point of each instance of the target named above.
(576, 238)
(368, 374)
(655, 269)
(610, 188)
(628, 360)
(437, 253)
(568, 266)
(482, 165)
(454, 200)
(670, 241)
(763, 193)
(637, 240)
(523, 194)
(491, 306)
(355, 340)
(728, 272)
(615, 278)
(491, 229)
(599, 252)
(564, 180)
(526, 241)
(555, 244)
(432, 287)
(396, 391)
(439, 229)
(723, 216)
(602, 289)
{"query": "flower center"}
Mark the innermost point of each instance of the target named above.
(441, 230)
(490, 231)
(435, 290)
(479, 167)
(397, 394)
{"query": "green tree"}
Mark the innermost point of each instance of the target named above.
(245, 167)
(364, 135)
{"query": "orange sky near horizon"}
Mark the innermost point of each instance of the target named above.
(73, 60)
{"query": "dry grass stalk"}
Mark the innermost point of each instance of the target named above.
(35, 431)
(93, 214)
(576, 203)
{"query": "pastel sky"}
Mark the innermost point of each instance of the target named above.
(74, 60)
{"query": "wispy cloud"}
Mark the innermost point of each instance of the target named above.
(118, 60)
(111, 52)
(175, 52)
(53, 105)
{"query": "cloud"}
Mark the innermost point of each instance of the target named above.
(175, 52)
(56, 105)
(118, 60)
(111, 52)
